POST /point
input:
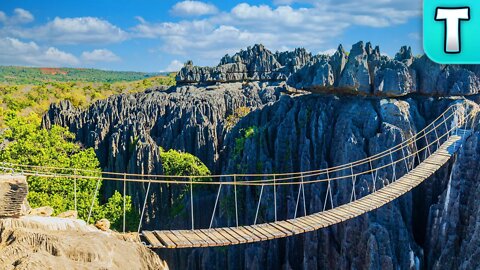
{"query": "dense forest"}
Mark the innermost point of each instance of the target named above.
(26, 94)
(31, 75)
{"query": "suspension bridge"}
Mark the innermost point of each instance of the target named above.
(372, 182)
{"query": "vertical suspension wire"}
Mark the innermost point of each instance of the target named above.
(191, 203)
(258, 206)
(75, 189)
(298, 200)
(394, 166)
(417, 153)
(327, 193)
(427, 150)
(304, 200)
(93, 201)
(144, 206)
(436, 136)
(374, 176)
(236, 201)
(405, 160)
(353, 196)
(446, 126)
(275, 195)
(124, 201)
(215, 207)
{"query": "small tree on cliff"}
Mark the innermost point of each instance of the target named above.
(29, 144)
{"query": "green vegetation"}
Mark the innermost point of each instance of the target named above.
(26, 94)
(31, 145)
(178, 163)
(37, 98)
(29, 75)
(240, 141)
(233, 119)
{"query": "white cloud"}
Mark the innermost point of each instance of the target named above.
(415, 36)
(193, 8)
(175, 65)
(313, 27)
(328, 52)
(23, 16)
(100, 55)
(78, 30)
(16, 52)
(20, 16)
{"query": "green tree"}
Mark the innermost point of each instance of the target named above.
(29, 144)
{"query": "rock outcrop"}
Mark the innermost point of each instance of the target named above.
(55, 243)
(364, 71)
(291, 134)
(298, 133)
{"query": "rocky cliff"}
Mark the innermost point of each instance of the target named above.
(363, 71)
(422, 230)
(56, 243)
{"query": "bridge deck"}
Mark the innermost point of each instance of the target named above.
(268, 231)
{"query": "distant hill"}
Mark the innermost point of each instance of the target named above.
(29, 75)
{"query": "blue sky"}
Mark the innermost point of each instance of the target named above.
(160, 35)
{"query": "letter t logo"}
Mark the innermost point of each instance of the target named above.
(452, 18)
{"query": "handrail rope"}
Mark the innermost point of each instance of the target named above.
(242, 183)
(177, 182)
(332, 169)
(318, 172)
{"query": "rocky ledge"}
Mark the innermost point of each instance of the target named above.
(363, 71)
(40, 242)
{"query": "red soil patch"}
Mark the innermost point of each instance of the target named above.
(53, 71)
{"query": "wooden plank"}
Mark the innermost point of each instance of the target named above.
(207, 240)
(351, 212)
(247, 232)
(194, 237)
(340, 216)
(181, 242)
(218, 236)
(234, 240)
(368, 205)
(330, 219)
(185, 239)
(273, 231)
(168, 243)
(152, 239)
(246, 236)
(264, 231)
(294, 229)
(258, 235)
(212, 241)
(287, 232)
(259, 232)
(234, 233)
(305, 226)
(320, 221)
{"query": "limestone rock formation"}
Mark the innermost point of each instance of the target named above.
(69, 214)
(44, 211)
(103, 224)
(424, 229)
(54, 243)
(365, 70)
(13, 193)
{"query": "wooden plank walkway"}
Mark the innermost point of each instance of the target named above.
(263, 232)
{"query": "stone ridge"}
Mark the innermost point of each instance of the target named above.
(363, 71)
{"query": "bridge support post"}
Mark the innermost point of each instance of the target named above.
(236, 202)
(191, 203)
